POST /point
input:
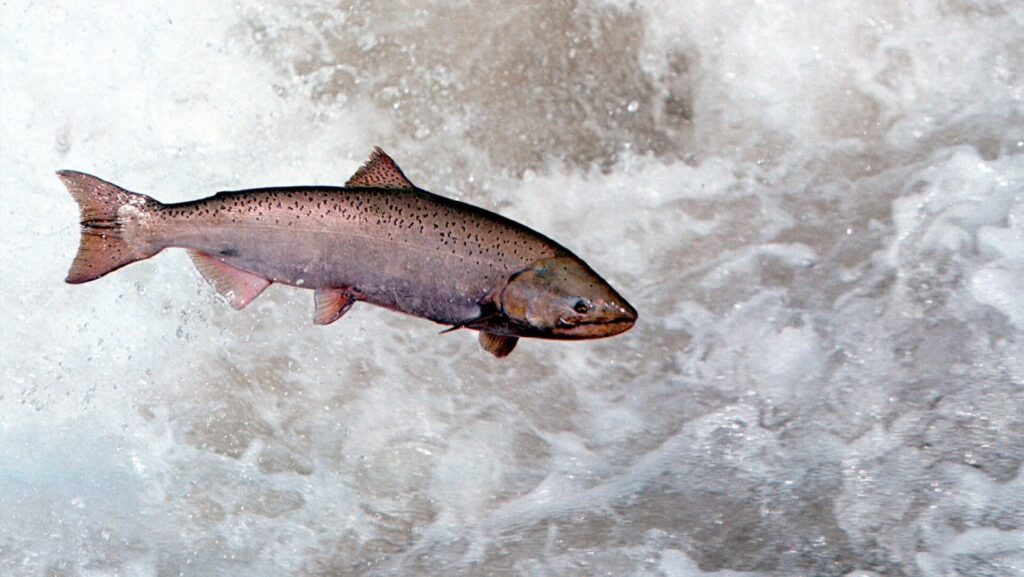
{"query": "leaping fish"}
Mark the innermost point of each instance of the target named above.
(378, 239)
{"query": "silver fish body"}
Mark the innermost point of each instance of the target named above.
(379, 240)
(407, 250)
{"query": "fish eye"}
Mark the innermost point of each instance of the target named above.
(581, 306)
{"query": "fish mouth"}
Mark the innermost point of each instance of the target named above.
(596, 328)
(593, 330)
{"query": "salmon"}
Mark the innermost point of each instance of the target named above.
(379, 239)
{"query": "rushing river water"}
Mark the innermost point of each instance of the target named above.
(817, 208)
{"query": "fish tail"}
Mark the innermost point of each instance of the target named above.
(109, 215)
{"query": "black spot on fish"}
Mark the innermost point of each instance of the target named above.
(228, 251)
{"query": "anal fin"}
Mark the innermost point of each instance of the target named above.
(498, 345)
(331, 304)
(239, 287)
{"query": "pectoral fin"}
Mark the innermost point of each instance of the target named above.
(498, 345)
(239, 287)
(331, 304)
(487, 313)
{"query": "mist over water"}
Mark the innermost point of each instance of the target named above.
(817, 209)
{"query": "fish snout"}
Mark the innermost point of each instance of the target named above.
(625, 311)
(617, 316)
(606, 318)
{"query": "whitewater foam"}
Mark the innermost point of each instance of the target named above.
(816, 208)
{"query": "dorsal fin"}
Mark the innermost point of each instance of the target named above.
(380, 171)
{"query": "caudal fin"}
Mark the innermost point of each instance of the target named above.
(108, 213)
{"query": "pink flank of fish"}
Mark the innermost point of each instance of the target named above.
(379, 239)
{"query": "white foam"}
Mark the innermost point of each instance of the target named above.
(816, 209)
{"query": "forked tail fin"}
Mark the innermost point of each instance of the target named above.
(110, 215)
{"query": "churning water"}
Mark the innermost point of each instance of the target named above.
(817, 208)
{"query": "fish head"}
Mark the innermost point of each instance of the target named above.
(562, 298)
